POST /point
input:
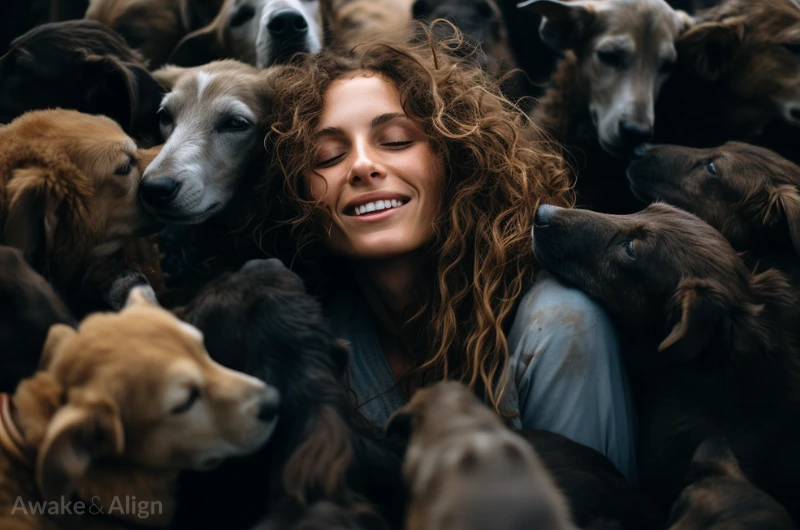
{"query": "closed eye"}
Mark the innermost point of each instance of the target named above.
(126, 168)
(397, 144)
(330, 161)
(194, 396)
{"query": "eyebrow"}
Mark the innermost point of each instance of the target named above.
(376, 122)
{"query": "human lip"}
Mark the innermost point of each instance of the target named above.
(375, 203)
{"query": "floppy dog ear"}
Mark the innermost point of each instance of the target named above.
(401, 423)
(785, 204)
(714, 457)
(198, 13)
(87, 428)
(108, 87)
(701, 305)
(57, 337)
(564, 24)
(710, 48)
(31, 220)
(197, 48)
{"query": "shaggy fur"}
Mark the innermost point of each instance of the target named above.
(718, 496)
(28, 307)
(95, 73)
(750, 194)
(710, 345)
(154, 27)
(119, 408)
(69, 191)
(352, 22)
(737, 79)
(467, 471)
(261, 321)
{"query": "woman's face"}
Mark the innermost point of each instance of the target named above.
(380, 177)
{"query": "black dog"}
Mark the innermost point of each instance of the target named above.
(261, 321)
(85, 66)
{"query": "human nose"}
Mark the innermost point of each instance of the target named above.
(366, 165)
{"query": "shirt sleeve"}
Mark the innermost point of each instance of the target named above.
(566, 362)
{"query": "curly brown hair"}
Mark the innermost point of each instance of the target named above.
(499, 167)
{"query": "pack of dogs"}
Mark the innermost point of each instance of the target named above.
(153, 347)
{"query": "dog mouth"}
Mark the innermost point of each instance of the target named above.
(190, 218)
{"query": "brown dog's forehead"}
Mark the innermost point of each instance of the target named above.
(241, 82)
(649, 21)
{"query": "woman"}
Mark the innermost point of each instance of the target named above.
(415, 184)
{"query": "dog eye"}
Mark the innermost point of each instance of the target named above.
(243, 15)
(194, 395)
(126, 168)
(628, 245)
(611, 58)
(164, 117)
(235, 123)
(712, 168)
(793, 47)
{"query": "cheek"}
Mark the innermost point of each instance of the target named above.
(317, 187)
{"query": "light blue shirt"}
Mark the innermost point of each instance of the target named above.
(567, 370)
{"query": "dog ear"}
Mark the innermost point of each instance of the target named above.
(701, 305)
(197, 48)
(31, 219)
(564, 24)
(87, 428)
(198, 13)
(711, 47)
(714, 457)
(401, 423)
(168, 76)
(784, 205)
(57, 337)
(108, 87)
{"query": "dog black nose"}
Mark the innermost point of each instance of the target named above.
(632, 133)
(640, 150)
(269, 409)
(159, 191)
(287, 23)
(545, 213)
(795, 113)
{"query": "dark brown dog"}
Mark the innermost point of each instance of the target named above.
(711, 346)
(28, 307)
(738, 76)
(84, 66)
(718, 496)
(748, 193)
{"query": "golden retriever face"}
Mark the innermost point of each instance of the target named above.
(143, 383)
(753, 50)
(625, 52)
(72, 185)
(748, 193)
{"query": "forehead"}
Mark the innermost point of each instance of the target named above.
(214, 89)
(357, 96)
(647, 22)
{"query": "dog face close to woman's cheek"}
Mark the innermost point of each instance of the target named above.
(634, 263)
(748, 193)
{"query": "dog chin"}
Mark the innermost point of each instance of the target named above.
(617, 151)
(188, 218)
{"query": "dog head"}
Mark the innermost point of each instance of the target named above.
(719, 496)
(751, 49)
(213, 123)
(71, 182)
(257, 32)
(481, 23)
(94, 70)
(153, 27)
(137, 391)
(625, 52)
(466, 470)
(748, 193)
(666, 274)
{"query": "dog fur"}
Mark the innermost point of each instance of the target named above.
(602, 101)
(719, 496)
(709, 344)
(738, 77)
(352, 22)
(28, 307)
(248, 30)
(69, 190)
(261, 321)
(750, 194)
(154, 27)
(465, 470)
(95, 73)
(119, 407)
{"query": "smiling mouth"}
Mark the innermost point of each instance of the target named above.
(376, 206)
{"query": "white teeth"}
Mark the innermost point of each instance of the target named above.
(377, 206)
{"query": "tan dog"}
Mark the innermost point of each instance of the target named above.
(154, 27)
(119, 408)
(257, 32)
(353, 22)
(68, 189)
(467, 471)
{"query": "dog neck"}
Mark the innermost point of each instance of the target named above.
(11, 439)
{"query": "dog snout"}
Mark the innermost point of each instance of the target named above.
(795, 113)
(545, 214)
(287, 24)
(635, 133)
(268, 409)
(159, 192)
